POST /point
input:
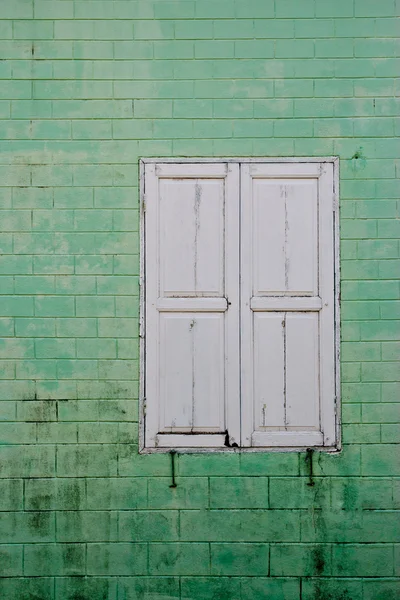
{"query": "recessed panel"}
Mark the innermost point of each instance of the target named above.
(191, 372)
(286, 377)
(285, 237)
(269, 370)
(191, 230)
(302, 370)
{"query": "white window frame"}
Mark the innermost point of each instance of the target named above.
(244, 162)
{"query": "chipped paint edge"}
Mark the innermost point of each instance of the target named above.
(337, 284)
(240, 159)
(142, 307)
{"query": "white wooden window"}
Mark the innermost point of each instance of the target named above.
(239, 318)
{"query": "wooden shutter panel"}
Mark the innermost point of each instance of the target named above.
(288, 304)
(191, 305)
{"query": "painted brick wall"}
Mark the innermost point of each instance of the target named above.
(89, 87)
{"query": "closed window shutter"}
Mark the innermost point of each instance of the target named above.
(192, 305)
(287, 305)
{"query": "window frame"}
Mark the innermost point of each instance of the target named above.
(334, 161)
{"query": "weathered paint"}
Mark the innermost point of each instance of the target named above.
(88, 89)
(243, 345)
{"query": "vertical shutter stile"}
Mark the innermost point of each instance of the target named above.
(287, 300)
(192, 304)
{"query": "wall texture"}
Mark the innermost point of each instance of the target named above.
(88, 88)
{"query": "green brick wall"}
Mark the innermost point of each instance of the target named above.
(88, 88)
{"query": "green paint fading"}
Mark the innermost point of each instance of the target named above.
(89, 88)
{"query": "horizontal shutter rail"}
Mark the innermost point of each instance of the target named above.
(171, 440)
(284, 303)
(287, 438)
(192, 305)
(286, 171)
(188, 171)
